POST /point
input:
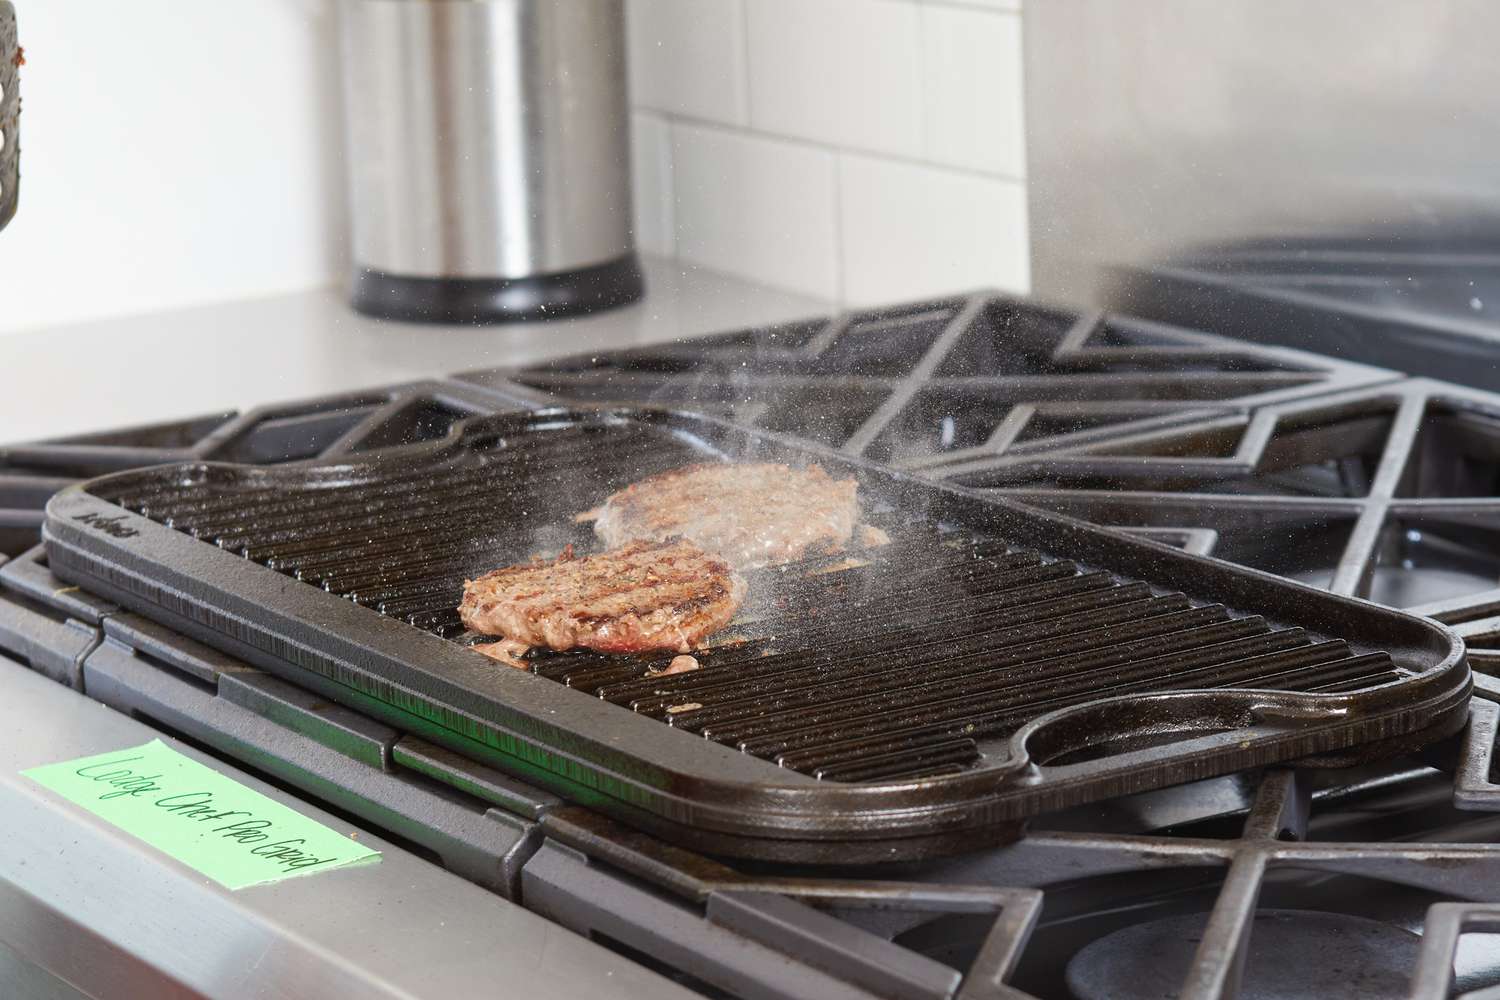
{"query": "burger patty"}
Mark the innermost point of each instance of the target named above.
(750, 514)
(641, 597)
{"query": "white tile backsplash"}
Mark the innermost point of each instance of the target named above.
(909, 231)
(844, 72)
(688, 57)
(651, 172)
(757, 207)
(1011, 5)
(973, 97)
(863, 149)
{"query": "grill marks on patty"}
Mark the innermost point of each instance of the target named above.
(645, 596)
(666, 584)
(750, 514)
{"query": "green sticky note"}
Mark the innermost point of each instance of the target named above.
(213, 824)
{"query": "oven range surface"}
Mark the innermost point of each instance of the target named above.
(1370, 881)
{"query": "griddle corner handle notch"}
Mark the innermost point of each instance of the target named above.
(1111, 727)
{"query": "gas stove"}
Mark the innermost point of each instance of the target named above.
(1425, 307)
(1365, 881)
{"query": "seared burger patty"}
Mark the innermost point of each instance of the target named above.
(641, 597)
(750, 514)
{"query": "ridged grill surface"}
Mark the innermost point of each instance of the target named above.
(875, 664)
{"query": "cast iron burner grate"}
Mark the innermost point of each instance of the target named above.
(941, 381)
(1389, 493)
(323, 427)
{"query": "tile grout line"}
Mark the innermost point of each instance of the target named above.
(671, 196)
(974, 5)
(744, 96)
(896, 158)
(838, 229)
(669, 153)
(924, 85)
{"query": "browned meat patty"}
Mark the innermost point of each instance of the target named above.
(641, 597)
(750, 514)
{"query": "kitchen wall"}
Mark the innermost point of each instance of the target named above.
(174, 152)
(178, 152)
(864, 150)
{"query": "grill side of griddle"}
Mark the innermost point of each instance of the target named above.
(907, 660)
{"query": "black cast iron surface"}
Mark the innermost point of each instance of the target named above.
(1033, 711)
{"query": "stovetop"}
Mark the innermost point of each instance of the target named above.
(1416, 305)
(1369, 882)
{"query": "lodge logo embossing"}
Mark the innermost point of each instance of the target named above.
(109, 525)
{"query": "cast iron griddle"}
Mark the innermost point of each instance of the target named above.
(993, 662)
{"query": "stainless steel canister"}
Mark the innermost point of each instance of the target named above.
(489, 158)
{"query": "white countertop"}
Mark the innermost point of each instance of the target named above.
(140, 369)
